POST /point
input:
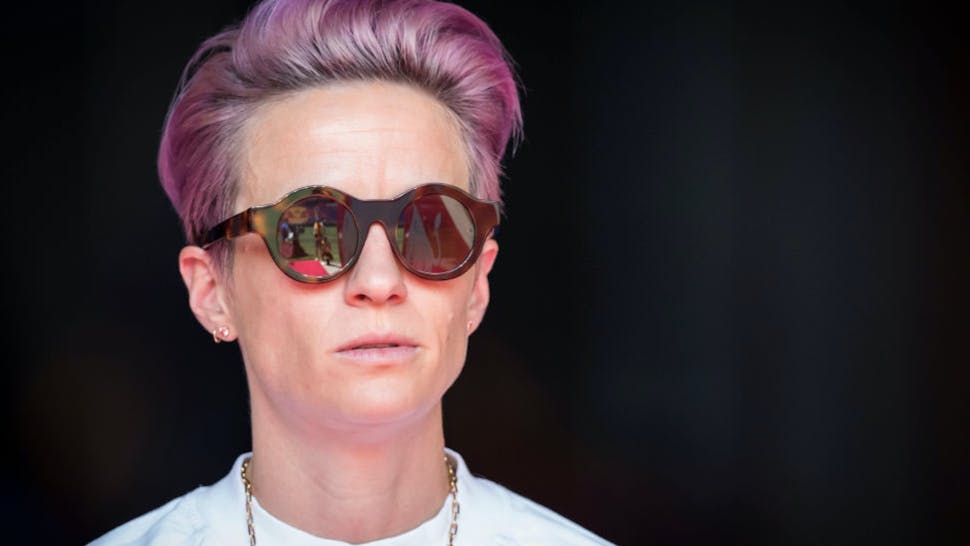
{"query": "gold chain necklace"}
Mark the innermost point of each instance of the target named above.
(455, 508)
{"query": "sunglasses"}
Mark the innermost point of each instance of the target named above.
(315, 233)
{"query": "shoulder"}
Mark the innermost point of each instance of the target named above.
(493, 514)
(195, 519)
(517, 520)
(176, 522)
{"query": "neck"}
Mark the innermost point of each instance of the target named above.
(346, 486)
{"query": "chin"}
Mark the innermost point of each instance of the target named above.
(384, 407)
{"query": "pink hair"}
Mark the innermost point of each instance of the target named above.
(285, 46)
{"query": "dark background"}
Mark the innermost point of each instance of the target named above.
(730, 306)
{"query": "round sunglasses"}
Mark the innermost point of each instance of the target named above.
(316, 233)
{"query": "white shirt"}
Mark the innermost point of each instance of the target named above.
(216, 515)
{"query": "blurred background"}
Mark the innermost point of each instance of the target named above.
(731, 304)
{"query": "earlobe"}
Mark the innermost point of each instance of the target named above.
(478, 301)
(206, 298)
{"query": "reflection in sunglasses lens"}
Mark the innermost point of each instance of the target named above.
(435, 234)
(316, 235)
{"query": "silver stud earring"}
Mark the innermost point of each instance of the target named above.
(220, 333)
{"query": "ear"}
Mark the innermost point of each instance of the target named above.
(206, 292)
(478, 301)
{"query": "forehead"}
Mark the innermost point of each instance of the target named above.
(370, 139)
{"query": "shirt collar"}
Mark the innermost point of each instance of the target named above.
(222, 508)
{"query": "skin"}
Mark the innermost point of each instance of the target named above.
(347, 435)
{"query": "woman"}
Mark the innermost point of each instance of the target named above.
(379, 126)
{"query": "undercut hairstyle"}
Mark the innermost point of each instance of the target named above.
(286, 46)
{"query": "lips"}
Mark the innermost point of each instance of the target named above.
(378, 349)
(377, 341)
(377, 346)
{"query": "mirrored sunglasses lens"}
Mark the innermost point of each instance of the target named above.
(435, 234)
(316, 236)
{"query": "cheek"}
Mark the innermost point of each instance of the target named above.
(279, 324)
(449, 320)
(250, 271)
(258, 291)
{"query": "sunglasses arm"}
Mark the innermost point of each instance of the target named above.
(232, 227)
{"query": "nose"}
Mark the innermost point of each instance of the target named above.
(377, 277)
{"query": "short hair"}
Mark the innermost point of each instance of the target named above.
(285, 46)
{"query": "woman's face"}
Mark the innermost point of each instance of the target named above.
(378, 345)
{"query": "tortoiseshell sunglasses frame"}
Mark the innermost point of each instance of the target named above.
(264, 220)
